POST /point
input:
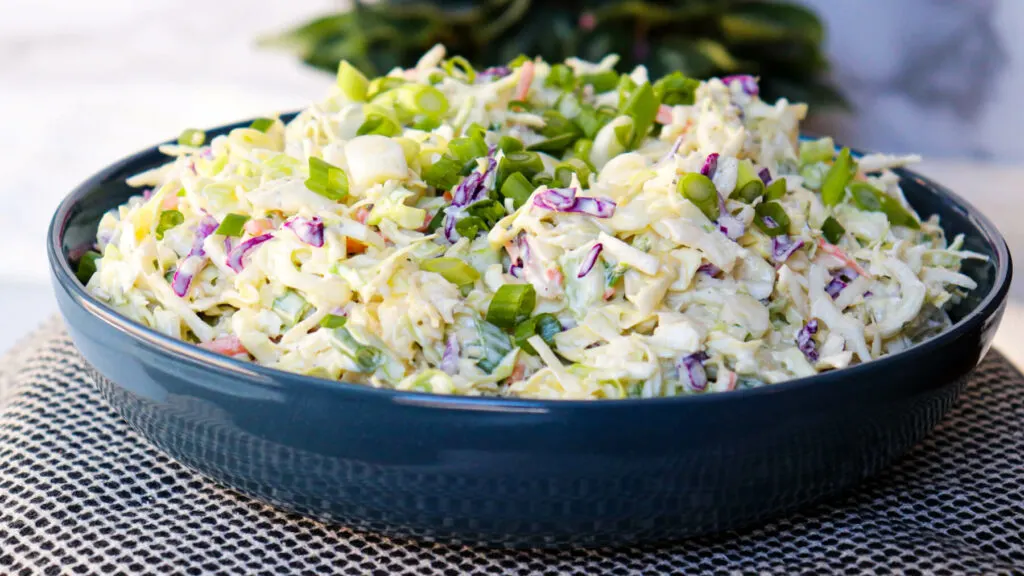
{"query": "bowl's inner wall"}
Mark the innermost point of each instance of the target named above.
(110, 191)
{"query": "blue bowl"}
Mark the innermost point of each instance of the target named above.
(523, 472)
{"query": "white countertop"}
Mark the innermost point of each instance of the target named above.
(78, 101)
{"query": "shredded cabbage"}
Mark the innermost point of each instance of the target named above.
(642, 293)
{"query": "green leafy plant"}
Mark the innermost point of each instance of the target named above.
(780, 42)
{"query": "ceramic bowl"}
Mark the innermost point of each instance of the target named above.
(513, 472)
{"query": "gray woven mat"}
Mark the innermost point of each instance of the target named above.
(80, 493)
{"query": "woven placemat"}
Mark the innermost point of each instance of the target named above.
(81, 493)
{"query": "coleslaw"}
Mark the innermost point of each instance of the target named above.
(531, 230)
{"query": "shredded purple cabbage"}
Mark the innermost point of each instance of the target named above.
(840, 280)
(147, 193)
(565, 200)
(308, 230)
(450, 359)
(672, 152)
(805, 340)
(473, 187)
(709, 269)
(493, 73)
(710, 165)
(588, 262)
(747, 82)
(730, 225)
(783, 247)
(691, 371)
(227, 244)
(765, 175)
(193, 262)
(516, 269)
(236, 258)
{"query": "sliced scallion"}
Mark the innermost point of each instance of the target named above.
(833, 187)
(333, 321)
(443, 174)
(232, 225)
(832, 230)
(555, 145)
(192, 137)
(642, 107)
(466, 149)
(87, 266)
(511, 304)
(561, 77)
(700, 190)
(771, 218)
(601, 81)
(675, 88)
(452, 269)
(262, 124)
(352, 82)
(168, 219)
(379, 124)
(775, 190)
(564, 171)
(327, 179)
(423, 99)
(509, 144)
(749, 186)
(518, 188)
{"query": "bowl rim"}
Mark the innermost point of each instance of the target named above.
(258, 375)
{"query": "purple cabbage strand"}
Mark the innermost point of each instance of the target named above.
(805, 340)
(590, 260)
(308, 230)
(565, 200)
(691, 371)
(236, 258)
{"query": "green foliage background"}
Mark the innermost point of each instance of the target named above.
(780, 42)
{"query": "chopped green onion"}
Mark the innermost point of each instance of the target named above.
(519, 106)
(443, 174)
(436, 221)
(290, 306)
(561, 77)
(466, 149)
(262, 124)
(509, 144)
(410, 149)
(379, 124)
(232, 225)
(642, 107)
(869, 198)
(352, 82)
(812, 151)
(494, 344)
(168, 219)
(518, 61)
(426, 123)
(555, 145)
(749, 186)
(512, 303)
(192, 137)
(625, 88)
(564, 171)
(581, 149)
(381, 85)
(422, 99)
(488, 210)
(333, 321)
(556, 124)
(452, 269)
(327, 179)
(87, 266)
(518, 188)
(832, 230)
(529, 163)
(470, 227)
(542, 179)
(833, 187)
(700, 190)
(458, 62)
(590, 121)
(367, 358)
(675, 88)
(601, 81)
(475, 130)
(624, 132)
(776, 190)
(771, 218)
(546, 325)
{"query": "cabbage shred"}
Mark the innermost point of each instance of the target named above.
(637, 292)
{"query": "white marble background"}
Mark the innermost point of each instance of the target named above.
(84, 82)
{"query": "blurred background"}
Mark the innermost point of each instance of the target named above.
(84, 83)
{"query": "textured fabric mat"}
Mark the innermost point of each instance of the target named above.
(80, 493)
